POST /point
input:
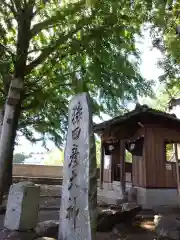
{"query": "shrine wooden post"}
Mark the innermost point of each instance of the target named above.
(102, 165)
(177, 168)
(122, 167)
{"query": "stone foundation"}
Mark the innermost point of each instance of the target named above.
(111, 193)
(147, 198)
(150, 198)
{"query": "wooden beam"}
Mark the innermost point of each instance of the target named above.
(102, 165)
(177, 168)
(122, 167)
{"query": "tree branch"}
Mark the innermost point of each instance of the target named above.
(58, 17)
(7, 50)
(33, 104)
(71, 49)
(79, 45)
(35, 50)
(47, 51)
(17, 4)
(37, 139)
(33, 140)
(61, 40)
(11, 7)
(30, 123)
(38, 9)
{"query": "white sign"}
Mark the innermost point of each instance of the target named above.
(168, 167)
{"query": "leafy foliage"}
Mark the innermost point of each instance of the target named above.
(160, 100)
(165, 20)
(98, 153)
(56, 157)
(60, 48)
(128, 157)
(19, 158)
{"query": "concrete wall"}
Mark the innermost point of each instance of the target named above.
(37, 171)
(26, 170)
(149, 198)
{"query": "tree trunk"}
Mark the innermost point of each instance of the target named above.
(8, 171)
(8, 177)
(8, 133)
(1, 119)
(9, 157)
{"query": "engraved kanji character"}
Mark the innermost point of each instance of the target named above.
(72, 212)
(77, 114)
(74, 156)
(76, 133)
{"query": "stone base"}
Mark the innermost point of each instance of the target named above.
(16, 235)
(113, 200)
(111, 193)
(150, 198)
(147, 198)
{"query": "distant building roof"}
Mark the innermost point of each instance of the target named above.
(34, 160)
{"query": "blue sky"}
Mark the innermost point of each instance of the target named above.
(148, 69)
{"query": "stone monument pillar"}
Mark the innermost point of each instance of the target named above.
(79, 190)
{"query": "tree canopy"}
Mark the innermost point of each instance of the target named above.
(19, 158)
(56, 157)
(165, 32)
(62, 47)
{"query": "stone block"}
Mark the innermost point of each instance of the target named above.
(47, 229)
(167, 227)
(6, 234)
(22, 206)
(132, 195)
(16, 235)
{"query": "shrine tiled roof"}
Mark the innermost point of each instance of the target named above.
(136, 113)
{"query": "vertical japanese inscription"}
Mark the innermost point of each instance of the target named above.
(73, 210)
(76, 118)
(78, 202)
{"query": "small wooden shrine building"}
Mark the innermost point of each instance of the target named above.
(147, 134)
